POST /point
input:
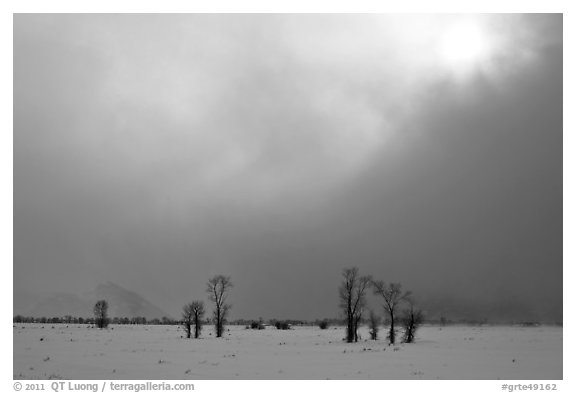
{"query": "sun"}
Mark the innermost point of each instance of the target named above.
(464, 45)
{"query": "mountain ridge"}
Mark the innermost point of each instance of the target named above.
(121, 303)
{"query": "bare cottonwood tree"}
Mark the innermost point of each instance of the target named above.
(373, 325)
(101, 314)
(193, 314)
(392, 295)
(353, 300)
(412, 318)
(218, 288)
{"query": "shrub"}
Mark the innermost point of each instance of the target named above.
(257, 325)
(282, 325)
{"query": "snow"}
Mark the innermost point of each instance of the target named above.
(131, 352)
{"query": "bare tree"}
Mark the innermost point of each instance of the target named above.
(101, 314)
(392, 295)
(353, 300)
(193, 314)
(187, 319)
(411, 319)
(218, 288)
(374, 325)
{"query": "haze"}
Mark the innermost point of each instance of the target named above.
(155, 151)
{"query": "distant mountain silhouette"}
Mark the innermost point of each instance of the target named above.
(122, 303)
(125, 303)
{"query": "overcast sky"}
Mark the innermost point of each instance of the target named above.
(157, 150)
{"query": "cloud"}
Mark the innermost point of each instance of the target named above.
(260, 105)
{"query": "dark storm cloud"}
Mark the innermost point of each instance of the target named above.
(158, 150)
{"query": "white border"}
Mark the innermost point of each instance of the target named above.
(6, 169)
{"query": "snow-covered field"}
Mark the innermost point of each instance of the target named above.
(159, 352)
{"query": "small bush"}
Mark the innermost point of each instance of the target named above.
(282, 325)
(323, 324)
(257, 325)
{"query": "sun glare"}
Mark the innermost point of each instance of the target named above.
(463, 45)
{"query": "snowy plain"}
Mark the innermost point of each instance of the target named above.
(134, 352)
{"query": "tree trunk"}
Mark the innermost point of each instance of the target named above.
(218, 323)
(392, 333)
(350, 329)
